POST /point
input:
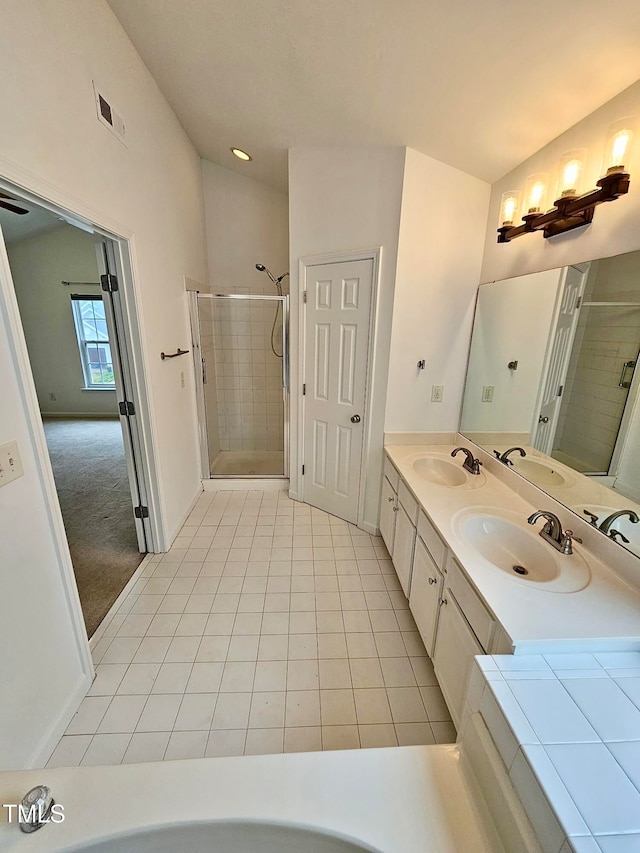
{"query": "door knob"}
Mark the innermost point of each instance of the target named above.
(543, 420)
(432, 581)
(355, 419)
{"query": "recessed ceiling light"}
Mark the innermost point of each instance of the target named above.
(240, 154)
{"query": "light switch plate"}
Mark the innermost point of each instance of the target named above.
(10, 463)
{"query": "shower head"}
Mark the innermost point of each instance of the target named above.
(262, 268)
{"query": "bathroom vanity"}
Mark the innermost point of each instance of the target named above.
(481, 580)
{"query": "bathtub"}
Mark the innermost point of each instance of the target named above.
(401, 800)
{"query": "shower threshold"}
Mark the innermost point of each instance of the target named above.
(248, 463)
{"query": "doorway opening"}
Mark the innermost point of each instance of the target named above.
(65, 277)
(241, 360)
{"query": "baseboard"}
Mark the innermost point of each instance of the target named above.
(263, 484)
(185, 516)
(45, 748)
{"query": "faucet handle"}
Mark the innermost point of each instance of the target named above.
(566, 543)
(615, 533)
(497, 454)
(593, 518)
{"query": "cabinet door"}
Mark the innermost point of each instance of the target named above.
(405, 539)
(456, 646)
(388, 507)
(426, 590)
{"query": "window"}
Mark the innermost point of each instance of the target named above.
(93, 341)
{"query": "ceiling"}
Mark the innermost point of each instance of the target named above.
(478, 84)
(15, 227)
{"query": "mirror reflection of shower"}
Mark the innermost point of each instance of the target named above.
(278, 284)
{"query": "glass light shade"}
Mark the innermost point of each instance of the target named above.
(509, 207)
(535, 193)
(570, 172)
(617, 149)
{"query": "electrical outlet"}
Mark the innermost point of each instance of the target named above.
(437, 393)
(487, 393)
(52, 396)
(182, 382)
(10, 463)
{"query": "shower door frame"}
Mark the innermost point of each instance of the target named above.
(200, 377)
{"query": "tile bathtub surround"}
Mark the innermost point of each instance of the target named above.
(270, 626)
(568, 729)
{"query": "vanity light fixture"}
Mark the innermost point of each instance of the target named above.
(572, 210)
(240, 154)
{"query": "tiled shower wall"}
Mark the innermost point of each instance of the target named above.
(605, 338)
(248, 375)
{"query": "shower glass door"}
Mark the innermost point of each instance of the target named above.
(241, 360)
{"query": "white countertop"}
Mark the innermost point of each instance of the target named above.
(603, 615)
(400, 800)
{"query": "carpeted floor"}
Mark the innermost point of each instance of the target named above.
(90, 471)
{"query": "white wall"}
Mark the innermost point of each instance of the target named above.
(247, 222)
(343, 199)
(38, 265)
(442, 228)
(512, 323)
(615, 225)
(150, 191)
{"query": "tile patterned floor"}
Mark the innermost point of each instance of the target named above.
(270, 626)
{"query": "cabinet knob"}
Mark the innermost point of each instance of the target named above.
(395, 509)
(432, 581)
(443, 601)
(390, 500)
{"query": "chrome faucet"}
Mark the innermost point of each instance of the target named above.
(36, 809)
(504, 457)
(470, 464)
(553, 534)
(606, 524)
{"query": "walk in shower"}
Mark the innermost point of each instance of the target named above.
(241, 362)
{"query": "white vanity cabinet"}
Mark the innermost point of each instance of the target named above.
(389, 505)
(465, 629)
(405, 536)
(426, 592)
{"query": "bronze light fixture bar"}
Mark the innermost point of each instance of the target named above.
(569, 212)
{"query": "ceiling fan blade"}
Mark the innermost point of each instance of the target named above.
(12, 207)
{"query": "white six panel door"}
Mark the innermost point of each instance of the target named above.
(335, 376)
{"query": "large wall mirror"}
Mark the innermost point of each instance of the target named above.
(552, 372)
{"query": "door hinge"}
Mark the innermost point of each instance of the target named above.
(141, 511)
(304, 389)
(304, 296)
(578, 301)
(109, 283)
(560, 390)
(126, 408)
(303, 469)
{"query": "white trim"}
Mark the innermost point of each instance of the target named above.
(18, 348)
(375, 255)
(226, 484)
(81, 416)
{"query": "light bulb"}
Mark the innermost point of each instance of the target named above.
(620, 143)
(509, 207)
(570, 172)
(535, 192)
(617, 150)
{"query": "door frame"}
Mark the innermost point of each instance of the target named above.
(304, 263)
(123, 251)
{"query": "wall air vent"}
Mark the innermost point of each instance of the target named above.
(107, 115)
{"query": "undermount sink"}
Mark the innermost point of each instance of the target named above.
(442, 471)
(540, 473)
(503, 542)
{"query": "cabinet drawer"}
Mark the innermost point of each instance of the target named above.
(409, 503)
(432, 540)
(476, 614)
(391, 474)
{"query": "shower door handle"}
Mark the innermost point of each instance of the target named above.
(204, 371)
(355, 419)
